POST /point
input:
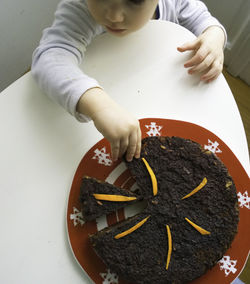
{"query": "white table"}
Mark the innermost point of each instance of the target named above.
(41, 145)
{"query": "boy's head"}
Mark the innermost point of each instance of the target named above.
(121, 17)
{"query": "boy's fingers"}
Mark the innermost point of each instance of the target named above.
(132, 146)
(209, 76)
(115, 149)
(123, 146)
(199, 56)
(138, 145)
(210, 79)
(213, 73)
(205, 64)
(188, 46)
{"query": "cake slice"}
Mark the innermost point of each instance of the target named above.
(101, 198)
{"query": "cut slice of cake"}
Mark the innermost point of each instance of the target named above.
(101, 198)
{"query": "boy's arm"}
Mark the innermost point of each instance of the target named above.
(55, 62)
(55, 67)
(117, 125)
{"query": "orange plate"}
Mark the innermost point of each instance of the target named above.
(97, 163)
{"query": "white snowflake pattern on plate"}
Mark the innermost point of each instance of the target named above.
(213, 147)
(77, 217)
(154, 129)
(109, 277)
(227, 265)
(244, 200)
(102, 157)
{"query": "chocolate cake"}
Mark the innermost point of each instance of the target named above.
(188, 224)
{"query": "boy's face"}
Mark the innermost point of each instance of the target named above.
(121, 17)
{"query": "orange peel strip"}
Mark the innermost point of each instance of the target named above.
(152, 176)
(110, 197)
(169, 246)
(132, 229)
(198, 228)
(200, 186)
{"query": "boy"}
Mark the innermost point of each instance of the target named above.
(77, 22)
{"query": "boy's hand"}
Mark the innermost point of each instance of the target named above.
(209, 56)
(121, 129)
(118, 126)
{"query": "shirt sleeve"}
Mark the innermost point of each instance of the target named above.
(194, 15)
(55, 62)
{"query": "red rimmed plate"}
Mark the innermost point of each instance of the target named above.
(97, 163)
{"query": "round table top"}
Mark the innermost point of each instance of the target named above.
(42, 145)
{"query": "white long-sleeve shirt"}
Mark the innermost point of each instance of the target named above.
(55, 64)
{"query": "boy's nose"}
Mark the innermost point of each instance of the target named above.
(115, 15)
